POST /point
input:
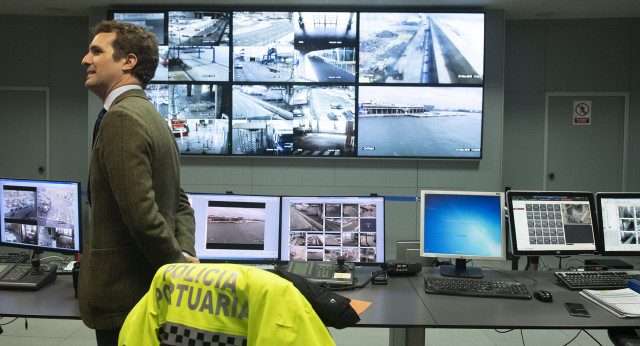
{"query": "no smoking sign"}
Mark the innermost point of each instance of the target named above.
(582, 112)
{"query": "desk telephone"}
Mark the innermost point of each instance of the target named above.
(324, 272)
(23, 276)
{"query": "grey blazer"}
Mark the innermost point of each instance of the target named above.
(140, 217)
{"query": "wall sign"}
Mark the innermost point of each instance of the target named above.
(582, 112)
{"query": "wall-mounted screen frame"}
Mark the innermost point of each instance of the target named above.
(405, 83)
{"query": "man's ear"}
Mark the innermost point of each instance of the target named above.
(130, 61)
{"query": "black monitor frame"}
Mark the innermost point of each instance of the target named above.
(380, 238)
(36, 248)
(601, 239)
(553, 195)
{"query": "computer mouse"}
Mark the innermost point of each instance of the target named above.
(543, 296)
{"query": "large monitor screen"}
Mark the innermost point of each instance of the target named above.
(552, 222)
(232, 82)
(323, 228)
(619, 221)
(462, 225)
(40, 214)
(236, 228)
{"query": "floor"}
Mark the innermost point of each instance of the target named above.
(57, 332)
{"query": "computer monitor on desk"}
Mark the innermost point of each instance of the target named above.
(236, 228)
(39, 215)
(462, 225)
(552, 222)
(619, 223)
(323, 228)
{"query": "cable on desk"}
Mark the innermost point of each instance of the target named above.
(574, 259)
(580, 331)
(501, 272)
(594, 339)
(26, 324)
(543, 265)
(510, 330)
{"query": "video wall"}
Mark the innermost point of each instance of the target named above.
(319, 84)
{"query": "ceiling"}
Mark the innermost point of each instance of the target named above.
(514, 9)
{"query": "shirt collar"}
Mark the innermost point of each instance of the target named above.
(117, 92)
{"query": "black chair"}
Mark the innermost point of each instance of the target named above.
(624, 336)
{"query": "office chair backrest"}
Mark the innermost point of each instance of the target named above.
(224, 303)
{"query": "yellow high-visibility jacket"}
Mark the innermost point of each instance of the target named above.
(224, 303)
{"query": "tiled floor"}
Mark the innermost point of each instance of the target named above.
(56, 332)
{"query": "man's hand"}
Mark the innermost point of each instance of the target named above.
(192, 259)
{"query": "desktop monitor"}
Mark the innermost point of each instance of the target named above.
(552, 222)
(323, 228)
(41, 215)
(462, 225)
(236, 228)
(619, 223)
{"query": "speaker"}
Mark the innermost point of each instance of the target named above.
(402, 267)
(409, 250)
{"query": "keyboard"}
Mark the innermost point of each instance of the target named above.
(14, 257)
(476, 288)
(597, 280)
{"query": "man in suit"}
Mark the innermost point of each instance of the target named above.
(140, 217)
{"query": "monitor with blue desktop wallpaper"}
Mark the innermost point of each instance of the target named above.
(619, 221)
(462, 225)
(41, 215)
(314, 83)
(236, 228)
(552, 222)
(323, 228)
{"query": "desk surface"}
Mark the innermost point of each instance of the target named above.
(400, 304)
(477, 312)
(55, 300)
(395, 305)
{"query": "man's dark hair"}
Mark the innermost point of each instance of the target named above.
(134, 39)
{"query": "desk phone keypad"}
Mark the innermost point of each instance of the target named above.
(14, 258)
(15, 272)
(545, 222)
(324, 271)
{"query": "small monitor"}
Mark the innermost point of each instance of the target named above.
(552, 222)
(323, 228)
(236, 228)
(41, 215)
(619, 223)
(462, 225)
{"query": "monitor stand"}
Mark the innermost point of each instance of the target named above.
(532, 263)
(461, 270)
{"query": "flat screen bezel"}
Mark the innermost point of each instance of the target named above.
(573, 194)
(503, 245)
(40, 248)
(245, 260)
(382, 233)
(600, 240)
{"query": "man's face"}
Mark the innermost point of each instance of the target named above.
(103, 73)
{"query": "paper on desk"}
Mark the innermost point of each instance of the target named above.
(623, 302)
(359, 305)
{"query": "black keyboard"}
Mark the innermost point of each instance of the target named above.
(14, 257)
(597, 280)
(476, 288)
